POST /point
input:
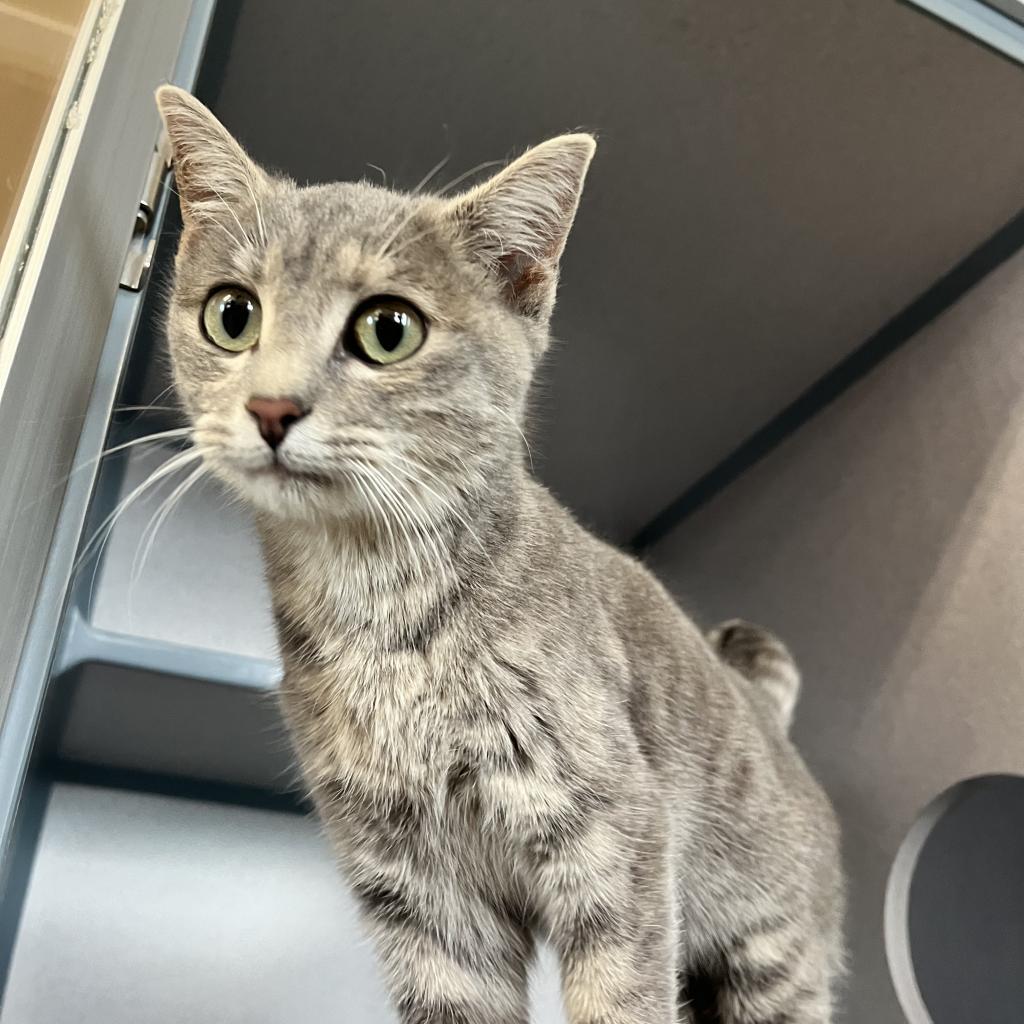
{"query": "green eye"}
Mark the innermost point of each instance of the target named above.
(231, 319)
(384, 330)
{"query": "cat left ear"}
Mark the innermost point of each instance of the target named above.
(212, 172)
(518, 221)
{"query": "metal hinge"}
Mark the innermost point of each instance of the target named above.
(143, 242)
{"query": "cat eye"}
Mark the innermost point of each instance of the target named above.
(231, 319)
(385, 330)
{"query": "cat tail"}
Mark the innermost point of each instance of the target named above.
(760, 656)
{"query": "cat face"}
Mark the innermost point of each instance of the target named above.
(345, 349)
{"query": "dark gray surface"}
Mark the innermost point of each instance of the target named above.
(774, 182)
(967, 907)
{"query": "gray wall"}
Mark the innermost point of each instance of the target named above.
(774, 182)
(883, 540)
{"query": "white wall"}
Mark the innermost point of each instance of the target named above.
(144, 908)
(149, 909)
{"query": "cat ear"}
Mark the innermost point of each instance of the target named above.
(518, 221)
(212, 172)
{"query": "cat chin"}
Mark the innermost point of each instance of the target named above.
(291, 498)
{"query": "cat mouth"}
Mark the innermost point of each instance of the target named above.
(279, 471)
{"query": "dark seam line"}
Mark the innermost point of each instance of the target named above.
(928, 306)
(79, 773)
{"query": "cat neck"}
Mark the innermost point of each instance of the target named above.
(369, 578)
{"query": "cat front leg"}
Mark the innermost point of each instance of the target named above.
(778, 968)
(467, 967)
(452, 951)
(606, 902)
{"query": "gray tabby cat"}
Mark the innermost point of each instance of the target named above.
(508, 727)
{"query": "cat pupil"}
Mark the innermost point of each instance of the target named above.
(390, 327)
(234, 315)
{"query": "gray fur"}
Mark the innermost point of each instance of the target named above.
(509, 728)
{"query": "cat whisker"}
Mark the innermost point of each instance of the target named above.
(223, 227)
(445, 503)
(459, 179)
(414, 536)
(412, 527)
(387, 496)
(153, 528)
(256, 206)
(160, 435)
(231, 210)
(385, 249)
(426, 524)
(362, 484)
(412, 240)
(436, 169)
(148, 537)
(163, 435)
(519, 430)
(103, 531)
(207, 219)
(152, 405)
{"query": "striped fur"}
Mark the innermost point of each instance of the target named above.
(509, 728)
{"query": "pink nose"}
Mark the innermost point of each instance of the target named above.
(275, 417)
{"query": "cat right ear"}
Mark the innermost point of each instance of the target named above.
(518, 221)
(213, 174)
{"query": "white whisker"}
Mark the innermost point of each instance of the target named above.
(519, 430)
(439, 166)
(153, 528)
(373, 485)
(411, 240)
(446, 503)
(231, 210)
(467, 174)
(420, 517)
(152, 405)
(148, 537)
(172, 465)
(256, 207)
(162, 435)
(393, 237)
(405, 518)
(370, 497)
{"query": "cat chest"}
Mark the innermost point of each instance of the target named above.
(386, 736)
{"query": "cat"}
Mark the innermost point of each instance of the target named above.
(509, 729)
